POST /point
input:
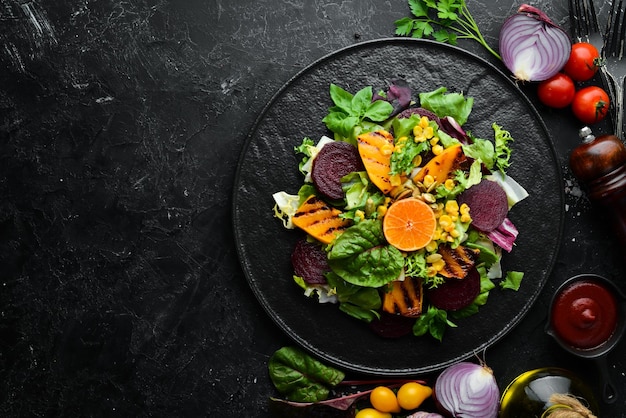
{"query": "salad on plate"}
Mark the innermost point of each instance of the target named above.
(405, 210)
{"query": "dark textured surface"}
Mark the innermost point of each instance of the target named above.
(120, 130)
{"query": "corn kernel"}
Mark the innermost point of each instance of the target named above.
(452, 207)
(395, 180)
(428, 132)
(437, 149)
(445, 221)
(417, 160)
(449, 184)
(430, 271)
(455, 233)
(428, 180)
(464, 209)
(433, 141)
(439, 265)
(381, 210)
(386, 149)
(359, 214)
(431, 246)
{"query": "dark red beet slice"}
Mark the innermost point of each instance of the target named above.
(392, 326)
(335, 160)
(419, 111)
(309, 262)
(488, 204)
(455, 294)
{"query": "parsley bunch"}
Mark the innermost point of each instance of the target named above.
(442, 20)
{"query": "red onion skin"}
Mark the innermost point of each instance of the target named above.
(453, 379)
(552, 54)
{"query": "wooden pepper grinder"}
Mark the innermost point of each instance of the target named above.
(599, 164)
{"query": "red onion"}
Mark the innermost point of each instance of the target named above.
(532, 47)
(467, 390)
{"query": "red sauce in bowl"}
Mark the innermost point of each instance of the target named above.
(584, 314)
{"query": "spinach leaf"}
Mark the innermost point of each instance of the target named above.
(359, 302)
(301, 378)
(361, 256)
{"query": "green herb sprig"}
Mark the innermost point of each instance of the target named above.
(442, 20)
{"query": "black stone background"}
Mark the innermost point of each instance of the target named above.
(121, 126)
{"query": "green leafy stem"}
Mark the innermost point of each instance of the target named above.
(442, 20)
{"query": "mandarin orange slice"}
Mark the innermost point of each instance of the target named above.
(409, 224)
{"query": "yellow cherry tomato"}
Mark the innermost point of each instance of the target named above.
(412, 394)
(372, 413)
(384, 399)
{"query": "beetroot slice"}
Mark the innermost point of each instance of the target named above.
(455, 294)
(407, 113)
(335, 160)
(392, 326)
(488, 204)
(309, 262)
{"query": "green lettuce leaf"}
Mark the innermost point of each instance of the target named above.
(443, 104)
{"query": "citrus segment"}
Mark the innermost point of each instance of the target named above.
(409, 224)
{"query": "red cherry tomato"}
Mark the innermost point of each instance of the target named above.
(591, 104)
(557, 91)
(583, 62)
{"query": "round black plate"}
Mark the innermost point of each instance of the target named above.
(268, 164)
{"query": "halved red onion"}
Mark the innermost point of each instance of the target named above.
(466, 390)
(532, 47)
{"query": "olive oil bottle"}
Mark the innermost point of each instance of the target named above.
(548, 392)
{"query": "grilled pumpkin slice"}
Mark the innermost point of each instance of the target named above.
(442, 165)
(375, 149)
(320, 220)
(459, 261)
(404, 297)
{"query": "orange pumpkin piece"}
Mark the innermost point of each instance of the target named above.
(375, 149)
(440, 166)
(404, 297)
(320, 220)
(409, 224)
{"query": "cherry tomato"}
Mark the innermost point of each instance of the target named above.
(557, 91)
(583, 61)
(384, 399)
(372, 413)
(412, 394)
(591, 104)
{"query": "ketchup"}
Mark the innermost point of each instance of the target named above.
(584, 314)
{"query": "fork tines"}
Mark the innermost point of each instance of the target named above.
(583, 19)
(615, 31)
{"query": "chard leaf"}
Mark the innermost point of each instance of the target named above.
(362, 257)
(301, 378)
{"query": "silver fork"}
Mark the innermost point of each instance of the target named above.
(584, 23)
(614, 69)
